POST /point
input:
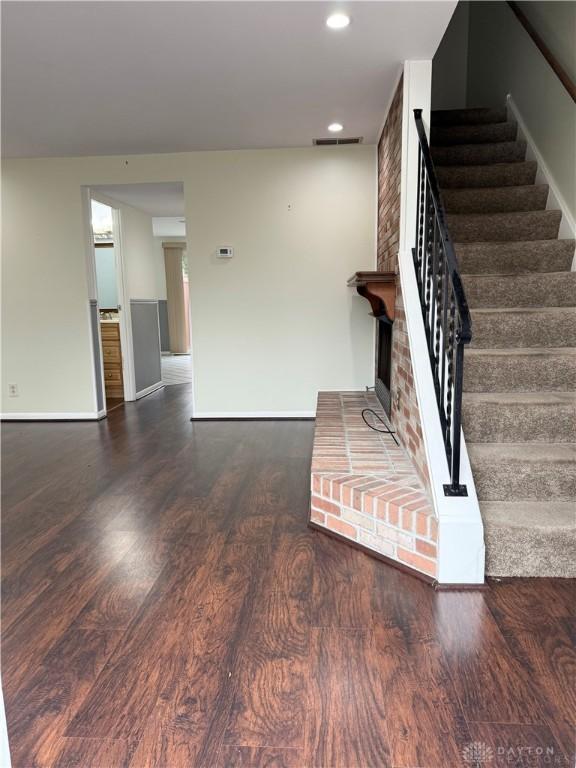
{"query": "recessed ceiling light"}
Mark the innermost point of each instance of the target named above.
(335, 127)
(338, 21)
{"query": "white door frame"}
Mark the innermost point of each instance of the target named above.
(90, 257)
(128, 373)
(122, 290)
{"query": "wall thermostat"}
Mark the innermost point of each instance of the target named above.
(225, 252)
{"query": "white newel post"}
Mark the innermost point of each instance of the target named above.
(460, 529)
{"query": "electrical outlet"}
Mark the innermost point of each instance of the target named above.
(12, 390)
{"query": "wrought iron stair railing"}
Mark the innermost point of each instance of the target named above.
(444, 307)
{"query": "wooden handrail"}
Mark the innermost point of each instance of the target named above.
(558, 69)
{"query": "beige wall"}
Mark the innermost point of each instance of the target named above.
(270, 327)
(45, 332)
(139, 253)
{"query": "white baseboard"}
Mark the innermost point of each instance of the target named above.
(255, 415)
(543, 175)
(149, 390)
(27, 416)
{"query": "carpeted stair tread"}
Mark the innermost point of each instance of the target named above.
(502, 417)
(485, 133)
(520, 327)
(530, 538)
(519, 399)
(500, 227)
(546, 369)
(524, 471)
(530, 197)
(556, 289)
(470, 116)
(480, 154)
(490, 175)
(515, 257)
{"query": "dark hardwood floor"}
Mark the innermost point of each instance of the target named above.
(165, 604)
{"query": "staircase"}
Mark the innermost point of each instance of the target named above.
(519, 403)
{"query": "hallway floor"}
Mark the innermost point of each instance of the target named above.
(165, 604)
(176, 369)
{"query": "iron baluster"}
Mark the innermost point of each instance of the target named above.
(445, 310)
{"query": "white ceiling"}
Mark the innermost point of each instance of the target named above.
(94, 78)
(161, 199)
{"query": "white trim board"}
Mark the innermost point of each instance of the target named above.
(94, 416)
(149, 390)
(254, 415)
(555, 200)
(126, 342)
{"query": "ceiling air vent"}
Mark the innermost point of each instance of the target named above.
(333, 141)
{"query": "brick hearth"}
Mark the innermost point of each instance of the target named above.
(365, 487)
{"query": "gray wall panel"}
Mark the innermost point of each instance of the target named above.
(164, 330)
(146, 343)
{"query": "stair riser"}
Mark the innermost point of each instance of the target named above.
(480, 154)
(505, 330)
(525, 552)
(480, 176)
(524, 481)
(519, 423)
(473, 134)
(518, 373)
(503, 199)
(472, 116)
(553, 290)
(515, 258)
(541, 225)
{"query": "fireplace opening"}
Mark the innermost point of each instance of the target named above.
(384, 364)
(380, 290)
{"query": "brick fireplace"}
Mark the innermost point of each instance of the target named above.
(365, 488)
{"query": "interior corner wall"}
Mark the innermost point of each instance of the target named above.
(504, 60)
(450, 63)
(405, 413)
(270, 327)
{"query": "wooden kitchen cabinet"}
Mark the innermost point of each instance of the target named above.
(112, 355)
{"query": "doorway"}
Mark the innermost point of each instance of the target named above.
(108, 291)
(130, 225)
(176, 355)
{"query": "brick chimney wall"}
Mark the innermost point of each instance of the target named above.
(405, 414)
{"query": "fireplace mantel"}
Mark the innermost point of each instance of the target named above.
(380, 290)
